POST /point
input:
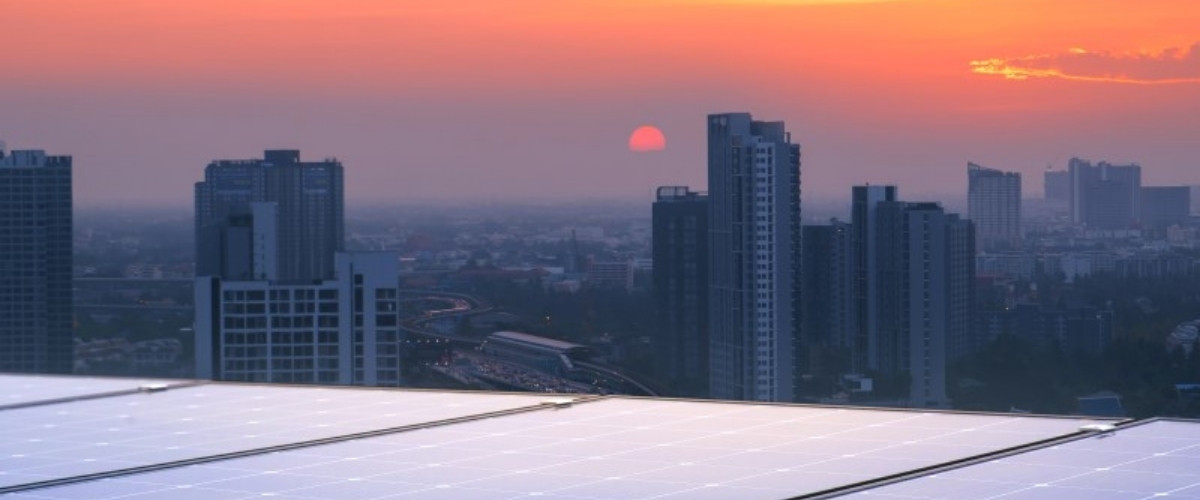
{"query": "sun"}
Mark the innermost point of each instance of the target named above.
(647, 138)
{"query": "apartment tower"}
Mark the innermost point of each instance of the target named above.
(35, 262)
(754, 258)
(994, 205)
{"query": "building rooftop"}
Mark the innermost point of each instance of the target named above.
(560, 345)
(31, 158)
(104, 438)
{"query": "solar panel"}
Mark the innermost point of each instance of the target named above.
(1158, 459)
(615, 448)
(64, 440)
(24, 390)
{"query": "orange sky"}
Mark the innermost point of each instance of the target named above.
(518, 95)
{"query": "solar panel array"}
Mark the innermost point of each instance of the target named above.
(1158, 459)
(91, 436)
(473, 445)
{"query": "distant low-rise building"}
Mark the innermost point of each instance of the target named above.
(1165, 206)
(1017, 264)
(994, 206)
(610, 274)
(1105, 196)
(1074, 328)
(1057, 186)
(158, 353)
(1184, 237)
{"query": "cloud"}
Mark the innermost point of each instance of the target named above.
(1175, 65)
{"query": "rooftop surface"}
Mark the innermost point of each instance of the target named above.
(137, 439)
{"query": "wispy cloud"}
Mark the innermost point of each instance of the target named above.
(1176, 65)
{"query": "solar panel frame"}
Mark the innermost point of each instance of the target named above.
(22, 390)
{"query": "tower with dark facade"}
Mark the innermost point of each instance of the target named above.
(827, 304)
(307, 218)
(36, 311)
(680, 251)
(913, 293)
(865, 253)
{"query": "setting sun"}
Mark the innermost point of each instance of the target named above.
(647, 138)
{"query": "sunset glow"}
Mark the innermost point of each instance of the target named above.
(392, 88)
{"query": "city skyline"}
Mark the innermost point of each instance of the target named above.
(532, 100)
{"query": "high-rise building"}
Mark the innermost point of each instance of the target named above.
(994, 205)
(1165, 206)
(827, 301)
(340, 331)
(276, 300)
(865, 254)
(754, 258)
(913, 268)
(680, 279)
(926, 276)
(35, 262)
(308, 221)
(1105, 196)
(1057, 186)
